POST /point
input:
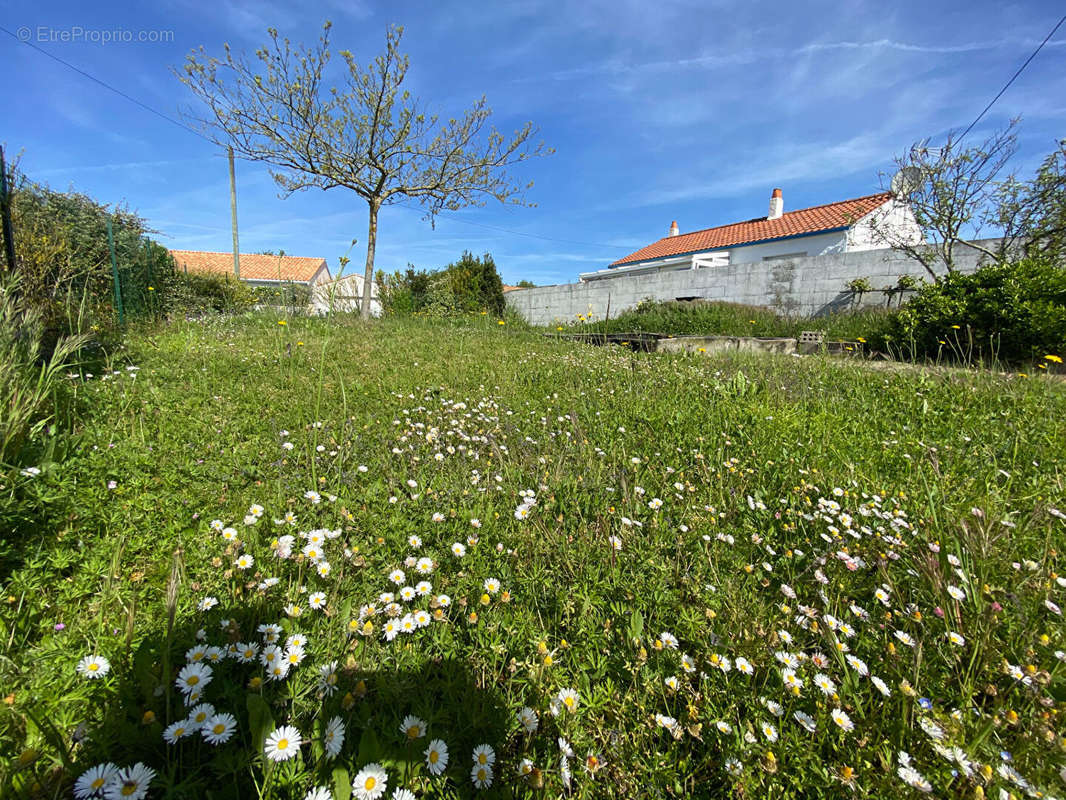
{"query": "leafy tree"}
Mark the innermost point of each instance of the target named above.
(526, 285)
(369, 135)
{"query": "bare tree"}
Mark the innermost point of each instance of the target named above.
(955, 197)
(369, 135)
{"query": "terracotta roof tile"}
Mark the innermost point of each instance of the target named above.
(793, 223)
(254, 266)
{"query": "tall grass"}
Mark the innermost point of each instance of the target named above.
(28, 377)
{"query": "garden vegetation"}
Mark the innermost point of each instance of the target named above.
(303, 558)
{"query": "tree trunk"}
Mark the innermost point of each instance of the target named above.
(371, 244)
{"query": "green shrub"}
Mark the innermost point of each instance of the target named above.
(469, 284)
(64, 259)
(293, 295)
(199, 293)
(713, 318)
(1011, 311)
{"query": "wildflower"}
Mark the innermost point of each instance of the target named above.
(219, 728)
(842, 720)
(130, 783)
(743, 665)
(93, 780)
(318, 793)
(436, 757)
(199, 715)
(956, 593)
(569, 699)
(671, 683)
(93, 667)
(769, 731)
(881, 686)
(176, 731)
(413, 727)
(458, 550)
(371, 782)
(484, 755)
(244, 561)
(804, 720)
(857, 664)
(481, 776)
(825, 683)
(956, 638)
(932, 730)
(723, 726)
(193, 677)
(327, 678)
(207, 604)
(282, 744)
(423, 588)
(397, 577)
(424, 566)
(317, 600)
(333, 739)
(528, 719)
(492, 585)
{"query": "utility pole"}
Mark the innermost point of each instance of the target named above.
(233, 216)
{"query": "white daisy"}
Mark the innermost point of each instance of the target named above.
(93, 667)
(436, 757)
(130, 783)
(413, 727)
(370, 783)
(282, 744)
(93, 780)
(333, 739)
(177, 730)
(219, 728)
(193, 677)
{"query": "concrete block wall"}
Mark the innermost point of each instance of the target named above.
(808, 287)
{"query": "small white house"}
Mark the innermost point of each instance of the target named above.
(841, 227)
(344, 295)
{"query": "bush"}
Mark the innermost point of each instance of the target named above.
(199, 293)
(469, 284)
(64, 260)
(1011, 311)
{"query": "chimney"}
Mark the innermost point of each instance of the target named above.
(777, 205)
(674, 230)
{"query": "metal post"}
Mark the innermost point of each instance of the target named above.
(148, 267)
(5, 213)
(114, 275)
(233, 216)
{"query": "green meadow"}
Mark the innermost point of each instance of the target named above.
(301, 558)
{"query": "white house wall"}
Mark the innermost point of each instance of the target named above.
(894, 218)
(799, 286)
(818, 244)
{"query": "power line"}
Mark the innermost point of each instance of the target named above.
(107, 86)
(1013, 77)
(195, 132)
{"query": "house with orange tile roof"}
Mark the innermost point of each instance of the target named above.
(257, 269)
(841, 227)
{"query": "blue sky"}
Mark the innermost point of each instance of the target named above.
(691, 111)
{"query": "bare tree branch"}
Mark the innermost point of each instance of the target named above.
(368, 135)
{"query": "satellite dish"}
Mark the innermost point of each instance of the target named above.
(906, 181)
